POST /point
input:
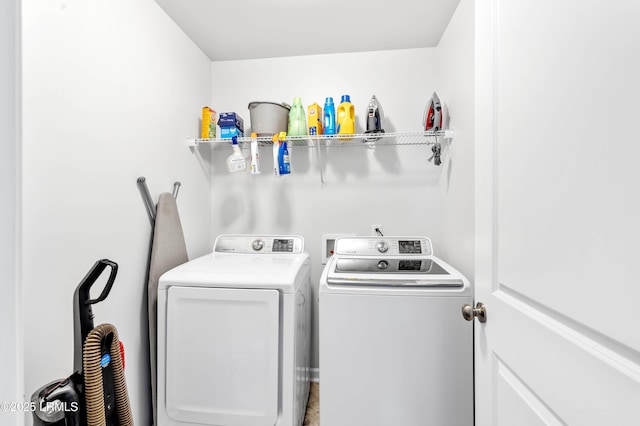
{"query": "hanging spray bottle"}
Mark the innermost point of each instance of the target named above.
(284, 164)
(276, 151)
(236, 161)
(255, 156)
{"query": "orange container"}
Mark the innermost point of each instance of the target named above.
(209, 120)
(314, 118)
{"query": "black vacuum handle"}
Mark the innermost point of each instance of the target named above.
(82, 312)
(91, 278)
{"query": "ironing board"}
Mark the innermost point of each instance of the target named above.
(168, 250)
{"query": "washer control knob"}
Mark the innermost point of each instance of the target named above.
(383, 264)
(257, 245)
(382, 246)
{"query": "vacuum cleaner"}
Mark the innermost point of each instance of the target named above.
(96, 393)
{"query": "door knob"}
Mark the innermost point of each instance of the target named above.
(468, 312)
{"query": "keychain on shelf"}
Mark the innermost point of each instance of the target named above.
(436, 149)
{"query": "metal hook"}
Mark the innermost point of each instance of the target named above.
(146, 197)
(176, 188)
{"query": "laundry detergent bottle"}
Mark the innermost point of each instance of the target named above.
(297, 119)
(346, 117)
(329, 121)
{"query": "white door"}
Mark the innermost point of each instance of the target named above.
(557, 212)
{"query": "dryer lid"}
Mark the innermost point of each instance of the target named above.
(284, 272)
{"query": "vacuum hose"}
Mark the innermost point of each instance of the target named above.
(93, 383)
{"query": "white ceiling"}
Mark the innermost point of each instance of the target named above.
(254, 29)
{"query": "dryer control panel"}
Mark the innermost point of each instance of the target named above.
(259, 244)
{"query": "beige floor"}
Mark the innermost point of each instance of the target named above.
(312, 418)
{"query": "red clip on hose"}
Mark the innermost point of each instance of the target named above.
(122, 354)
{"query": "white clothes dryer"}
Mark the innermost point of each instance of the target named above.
(394, 346)
(233, 335)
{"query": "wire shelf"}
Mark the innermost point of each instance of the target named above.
(395, 138)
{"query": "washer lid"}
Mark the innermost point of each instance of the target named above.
(392, 265)
(397, 282)
(231, 270)
(394, 271)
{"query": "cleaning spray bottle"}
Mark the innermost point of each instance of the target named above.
(236, 161)
(329, 117)
(346, 117)
(284, 164)
(276, 151)
(255, 157)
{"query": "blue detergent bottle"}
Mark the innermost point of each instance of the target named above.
(329, 122)
(284, 162)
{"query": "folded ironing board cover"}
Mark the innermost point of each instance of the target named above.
(168, 250)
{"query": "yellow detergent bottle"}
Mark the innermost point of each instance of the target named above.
(346, 117)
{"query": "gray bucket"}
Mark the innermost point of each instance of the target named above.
(268, 118)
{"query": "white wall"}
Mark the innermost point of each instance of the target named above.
(393, 186)
(455, 62)
(10, 352)
(111, 91)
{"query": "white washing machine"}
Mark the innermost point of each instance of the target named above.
(233, 335)
(394, 346)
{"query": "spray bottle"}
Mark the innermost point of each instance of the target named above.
(284, 164)
(255, 157)
(236, 161)
(276, 151)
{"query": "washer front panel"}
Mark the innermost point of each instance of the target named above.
(396, 360)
